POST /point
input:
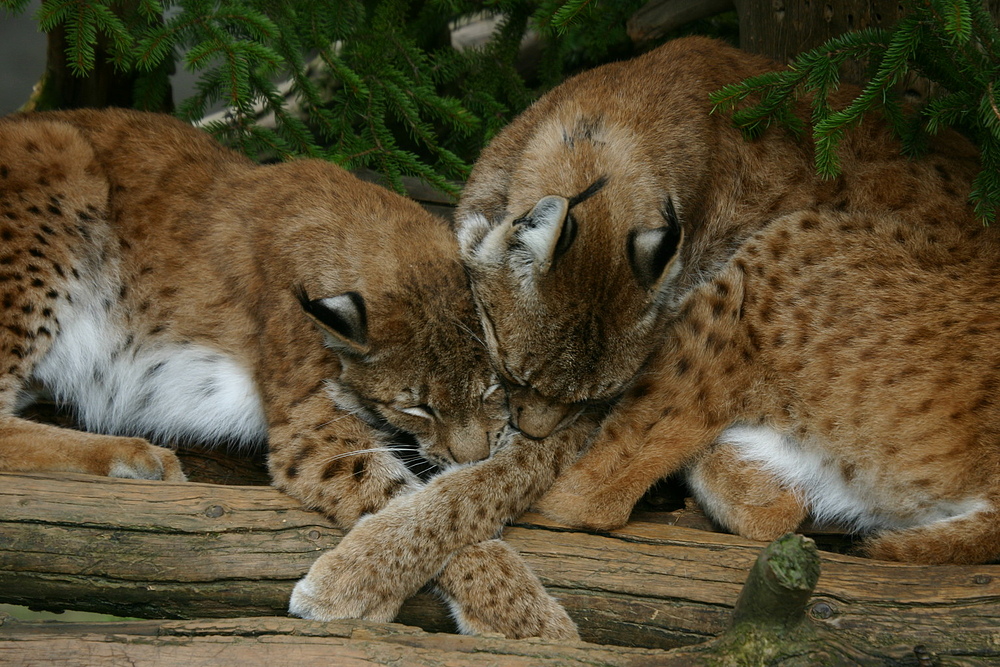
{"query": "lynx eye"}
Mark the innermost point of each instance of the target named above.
(422, 411)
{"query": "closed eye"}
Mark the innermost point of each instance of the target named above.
(422, 411)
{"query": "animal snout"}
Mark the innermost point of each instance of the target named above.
(469, 445)
(534, 415)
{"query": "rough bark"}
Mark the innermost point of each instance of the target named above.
(195, 550)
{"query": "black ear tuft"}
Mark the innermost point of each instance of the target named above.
(566, 237)
(344, 317)
(650, 251)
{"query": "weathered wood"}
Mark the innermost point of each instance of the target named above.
(264, 642)
(198, 550)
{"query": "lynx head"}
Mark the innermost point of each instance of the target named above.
(393, 302)
(570, 274)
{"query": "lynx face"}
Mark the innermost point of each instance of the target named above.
(425, 375)
(573, 276)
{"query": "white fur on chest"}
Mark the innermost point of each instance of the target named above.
(859, 503)
(121, 383)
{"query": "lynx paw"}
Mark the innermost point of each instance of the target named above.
(490, 589)
(338, 587)
(134, 458)
(568, 503)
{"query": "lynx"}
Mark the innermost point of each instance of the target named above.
(167, 288)
(589, 220)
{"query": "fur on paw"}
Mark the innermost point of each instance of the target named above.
(521, 614)
(336, 588)
(490, 589)
(567, 503)
(138, 459)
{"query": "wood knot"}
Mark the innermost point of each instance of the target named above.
(214, 512)
(822, 610)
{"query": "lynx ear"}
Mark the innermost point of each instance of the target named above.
(652, 251)
(546, 232)
(342, 318)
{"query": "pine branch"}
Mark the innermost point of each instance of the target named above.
(953, 42)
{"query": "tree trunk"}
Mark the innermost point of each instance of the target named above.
(153, 549)
(105, 85)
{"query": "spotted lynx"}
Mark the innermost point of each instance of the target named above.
(588, 222)
(168, 288)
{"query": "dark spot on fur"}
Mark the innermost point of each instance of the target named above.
(34, 210)
(682, 366)
(359, 468)
(332, 469)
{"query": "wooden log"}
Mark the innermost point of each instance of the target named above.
(152, 549)
(264, 642)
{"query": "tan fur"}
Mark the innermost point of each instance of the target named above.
(390, 555)
(583, 324)
(870, 343)
(138, 238)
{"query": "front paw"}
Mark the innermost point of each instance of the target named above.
(135, 458)
(569, 503)
(338, 587)
(490, 589)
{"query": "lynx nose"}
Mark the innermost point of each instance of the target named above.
(468, 444)
(532, 414)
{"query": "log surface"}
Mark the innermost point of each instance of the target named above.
(159, 550)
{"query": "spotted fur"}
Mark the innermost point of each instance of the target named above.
(680, 193)
(168, 289)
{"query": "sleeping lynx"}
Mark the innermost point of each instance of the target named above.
(166, 287)
(597, 216)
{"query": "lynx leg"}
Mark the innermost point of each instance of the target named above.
(635, 447)
(970, 538)
(491, 589)
(742, 497)
(334, 462)
(388, 556)
(26, 446)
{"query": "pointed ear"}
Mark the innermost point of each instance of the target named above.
(546, 232)
(343, 318)
(652, 251)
